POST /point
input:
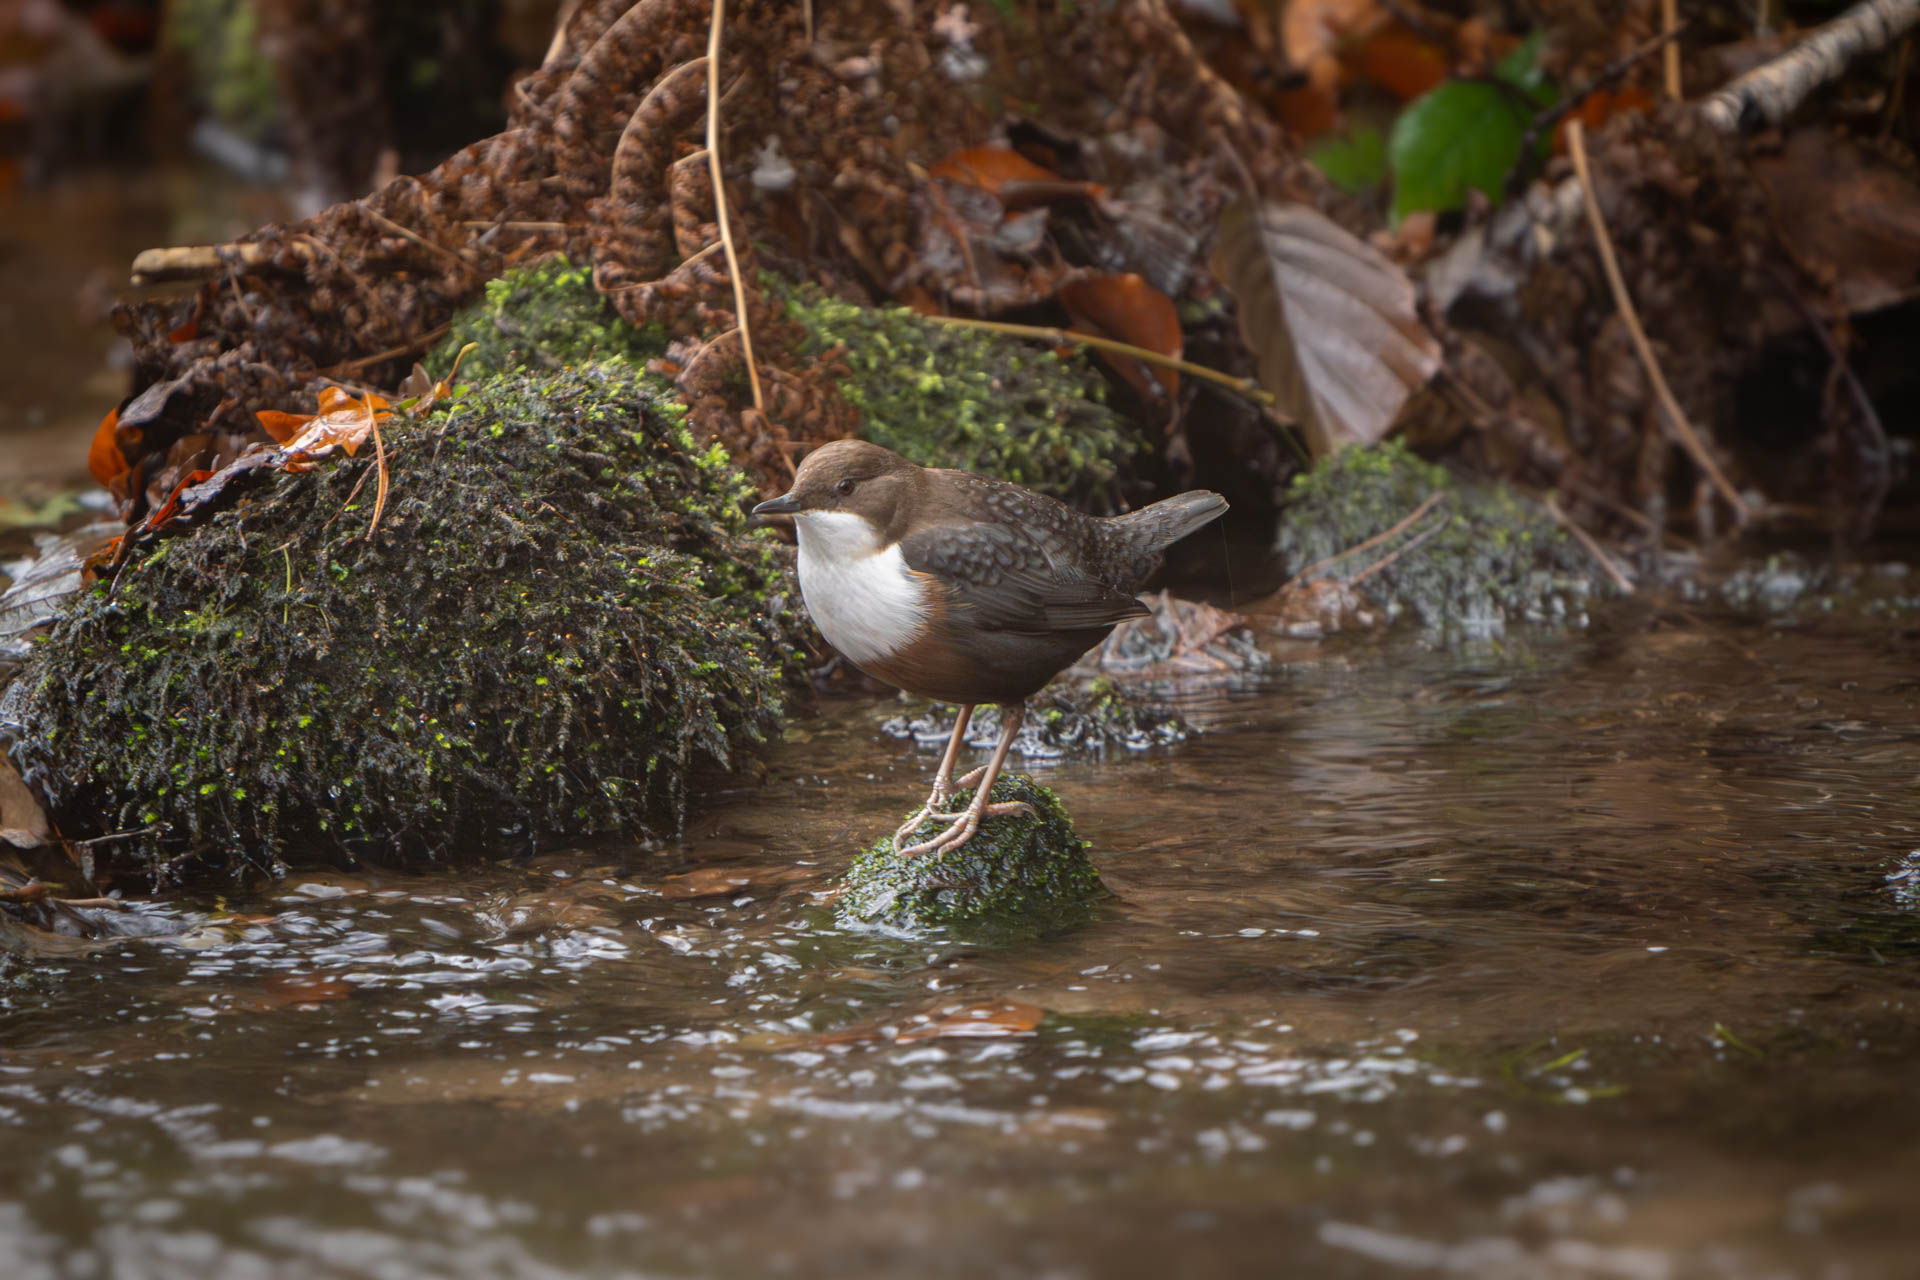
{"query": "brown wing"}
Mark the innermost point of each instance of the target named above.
(1009, 579)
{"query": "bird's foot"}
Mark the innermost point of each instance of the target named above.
(943, 791)
(912, 824)
(962, 827)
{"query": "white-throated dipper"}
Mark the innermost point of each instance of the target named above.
(965, 589)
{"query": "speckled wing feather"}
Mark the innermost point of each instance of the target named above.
(1022, 577)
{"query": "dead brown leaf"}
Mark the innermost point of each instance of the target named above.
(298, 990)
(23, 822)
(1853, 215)
(995, 1018)
(721, 882)
(1330, 320)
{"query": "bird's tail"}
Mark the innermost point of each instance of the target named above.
(1156, 527)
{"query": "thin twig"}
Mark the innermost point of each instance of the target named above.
(1244, 386)
(1394, 530)
(422, 241)
(710, 250)
(474, 225)
(720, 199)
(1386, 561)
(1415, 22)
(204, 261)
(1897, 96)
(1593, 548)
(1875, 443)
(1677, 420)
(112, 836)
(1768, 94)
(1670, 26)
(1552, 116)
(427, 339)
(380, 463)
(711, 343)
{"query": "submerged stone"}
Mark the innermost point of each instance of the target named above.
(561, 615)
(1064, 719)
(1022, 872)
(1481, 557)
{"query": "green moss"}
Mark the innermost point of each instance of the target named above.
(544, 316)
(1029, 872)
(977, 401)
(1497, 559)
(562, 614)
(221, 42)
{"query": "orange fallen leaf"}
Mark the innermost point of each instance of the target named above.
(291, 991)
(1311, 29)
(167, 509)
(990, 168)
(104, 459)
(1400, 61)
(189, 329)
(1128, 309)
(283, 426)
(992, 1019)
(717, 882)
(305, 988)
(1010, 177)
(986, 1020)
(344, 421)
(707, 882)
(1308, 111)
(1601, 106)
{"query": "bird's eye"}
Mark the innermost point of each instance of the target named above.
(844, 488)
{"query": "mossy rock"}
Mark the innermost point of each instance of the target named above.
(562, 614)
(1028, 873)
(976, 401)
(1497, 559)
(547, 316)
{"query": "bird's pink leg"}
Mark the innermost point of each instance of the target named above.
(965, 824)
(942, 781)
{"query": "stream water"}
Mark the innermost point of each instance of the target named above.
(1593, 958)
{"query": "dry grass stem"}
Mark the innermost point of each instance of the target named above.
(1680, 427)
(720, 200)
(1591, 546)
(1244, 386)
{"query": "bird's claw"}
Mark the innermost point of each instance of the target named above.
(962, 827)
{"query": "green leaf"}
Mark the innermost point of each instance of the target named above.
(1355, 162)
(1521, 68)
(1466, 134)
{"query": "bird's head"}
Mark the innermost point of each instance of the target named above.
(849, 479)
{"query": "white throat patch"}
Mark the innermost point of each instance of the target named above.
(860, 592)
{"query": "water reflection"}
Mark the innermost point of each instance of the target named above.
(1592, 962)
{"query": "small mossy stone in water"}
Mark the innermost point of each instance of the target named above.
(1486, 557)
(1020, 871)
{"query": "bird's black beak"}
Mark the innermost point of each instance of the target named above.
(784, 505)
